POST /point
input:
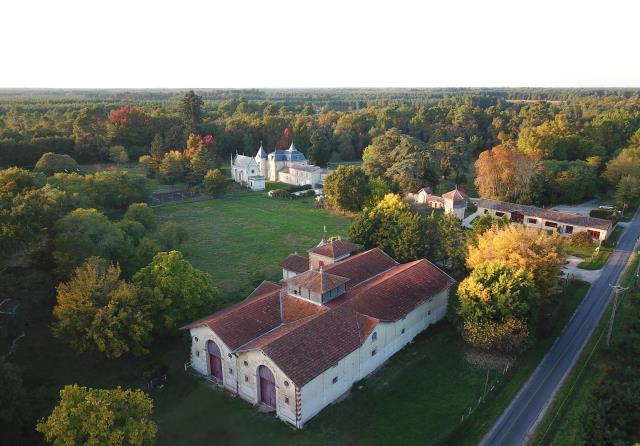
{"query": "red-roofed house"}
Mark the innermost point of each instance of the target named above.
(299, 345)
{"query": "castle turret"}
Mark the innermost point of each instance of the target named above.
(261, 159)
(455, 202)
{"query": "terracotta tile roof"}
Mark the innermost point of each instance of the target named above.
(296, 263)
(264, 288)
(395, 293)
(456, 195)
(305, 350)
(334, 248)
(547, 214)
(247, 320)
(317, 281)
(362, 266)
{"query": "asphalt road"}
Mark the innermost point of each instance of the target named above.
(525, 411)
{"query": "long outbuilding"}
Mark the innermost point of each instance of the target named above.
(296, 346)
(563, 223)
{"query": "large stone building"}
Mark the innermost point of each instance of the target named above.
(287, 166)
(552, 221)
(298, 345)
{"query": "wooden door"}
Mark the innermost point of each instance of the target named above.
(267, 387)
(215, 361)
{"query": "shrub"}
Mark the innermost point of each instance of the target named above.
(142, 213)
(307, 193)
(281, 193)
(607, 214)
(510, 336)
(171, 235)
(51, 163)
(214, 183)
(581, 239)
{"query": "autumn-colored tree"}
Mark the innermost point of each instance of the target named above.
(285, 140)
(172, 168)
(215, 183)
(497, 304)
(107, 417)
(539, 254)
(96, 311)
(503, 173)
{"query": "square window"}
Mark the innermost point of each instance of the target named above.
(335, 379)
(374, 336)
(373, 352)
(246, 364)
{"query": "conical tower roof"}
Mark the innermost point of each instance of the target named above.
(261, 152)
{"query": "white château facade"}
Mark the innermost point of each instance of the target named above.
(287, 166)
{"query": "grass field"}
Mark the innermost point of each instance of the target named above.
(241, 238)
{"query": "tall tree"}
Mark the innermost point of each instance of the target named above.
(534, 251)
(96, 311)
(191, 111)
(347, 188)
(503, 173)
(178, 291)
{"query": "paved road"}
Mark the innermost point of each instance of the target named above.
(519, 419)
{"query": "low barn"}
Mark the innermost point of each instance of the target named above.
(298, 345)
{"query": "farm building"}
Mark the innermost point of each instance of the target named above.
(296, 346)
(534, 217)
(454, 201)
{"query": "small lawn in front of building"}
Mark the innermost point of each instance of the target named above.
(596, 259)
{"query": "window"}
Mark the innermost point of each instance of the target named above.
(402, 331)
(429, 313)
(568, 229)
(197, 353)
(373, 352)
(374, 336)
(229, 355)
(286, 383)
(499, 214)
(195, 338)
(550, 224)
(246, 378)
(486, 211)
(246, 364)
(533, 221)
(286, 400)
(335, 379)
(230, 371)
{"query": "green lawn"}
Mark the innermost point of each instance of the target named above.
(597, 260)
(242, 238)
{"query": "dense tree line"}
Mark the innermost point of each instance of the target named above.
(417, 137)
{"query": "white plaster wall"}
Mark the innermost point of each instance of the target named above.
(200, 356)
(322, 391)
(249, 383)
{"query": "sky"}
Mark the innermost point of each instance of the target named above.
(304, 44)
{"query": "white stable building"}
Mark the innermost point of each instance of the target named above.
(296, 346)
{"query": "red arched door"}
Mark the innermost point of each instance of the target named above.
(215, 363)
(267, 387)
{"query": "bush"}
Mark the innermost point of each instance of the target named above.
(308, 193)
(281, 193)
(214, 183)
(171, 235)
(510, 336)
(581, 240)
(607, 214)
(51, 163)
(142, 213)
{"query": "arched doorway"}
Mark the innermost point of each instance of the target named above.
(267, 387)
(215, 361)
